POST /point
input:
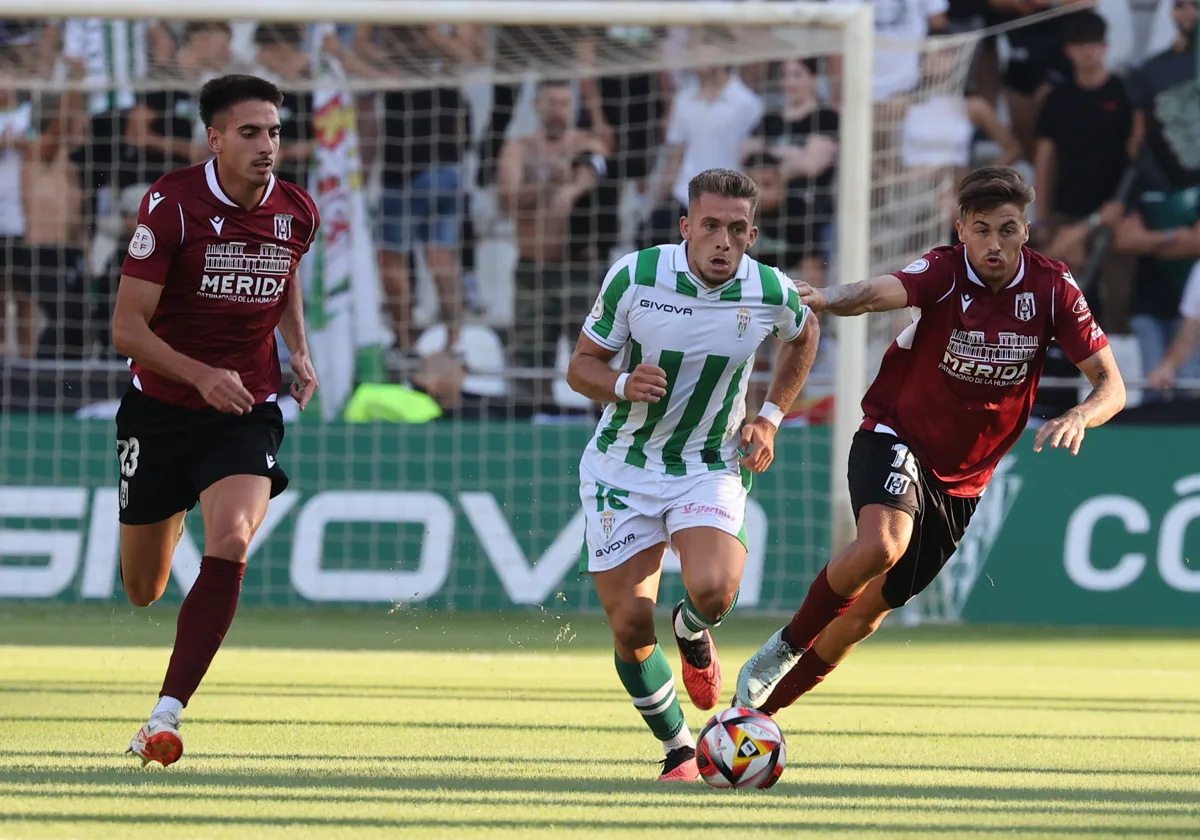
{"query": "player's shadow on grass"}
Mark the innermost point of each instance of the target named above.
(426, 725)
(416, 795)
(552, 695)
(385, 759)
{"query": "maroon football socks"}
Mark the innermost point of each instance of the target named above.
(204, 619)
(821, 606)
(804, 677)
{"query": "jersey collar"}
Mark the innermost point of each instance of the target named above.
(679, 264)
(974, 278)
(214, 186)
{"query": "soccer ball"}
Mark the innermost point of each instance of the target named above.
(741, 748)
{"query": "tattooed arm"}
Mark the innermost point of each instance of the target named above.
(879, 294)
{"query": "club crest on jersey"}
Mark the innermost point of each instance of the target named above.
(608, 520)
(743, 321)
(283, 226)
(1025, 310)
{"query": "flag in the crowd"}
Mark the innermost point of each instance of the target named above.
(346, 334)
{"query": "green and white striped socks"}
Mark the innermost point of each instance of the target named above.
(651, 685)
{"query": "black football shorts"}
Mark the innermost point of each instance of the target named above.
(168, 455)
(882, 470)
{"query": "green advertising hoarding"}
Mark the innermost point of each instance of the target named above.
(459, 516)
(1110, 537)
(487, 516)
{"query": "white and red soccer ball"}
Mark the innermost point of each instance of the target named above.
(741, 748)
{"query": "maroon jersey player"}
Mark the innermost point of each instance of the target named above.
(210, 274)
(952, 396)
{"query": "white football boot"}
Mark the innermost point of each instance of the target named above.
(763, 671)
(158, 740)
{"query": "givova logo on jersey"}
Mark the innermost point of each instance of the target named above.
(242, 276)
(970, 357)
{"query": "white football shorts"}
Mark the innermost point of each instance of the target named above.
(629, 509)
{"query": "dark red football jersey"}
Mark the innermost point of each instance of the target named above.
(226, 274)
(959, 382)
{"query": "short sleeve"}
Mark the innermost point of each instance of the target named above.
(1189, 305)
(1047, 122)
(608, 322)
(1074, 325)
(311, 205)
(789, 322)
(157, 238)
(927, 280)
(677, 134)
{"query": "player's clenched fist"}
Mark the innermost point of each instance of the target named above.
(647, 383)
(224, 391)
(811, 296)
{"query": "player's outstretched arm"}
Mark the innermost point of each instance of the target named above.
(589, 374)
(291, 327)
(792, 364)
(1107, 398)
(879, 294)
(136, 303)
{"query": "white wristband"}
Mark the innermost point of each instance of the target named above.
(771, 413)
(619, 386)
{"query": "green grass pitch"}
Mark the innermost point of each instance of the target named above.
(377, 724)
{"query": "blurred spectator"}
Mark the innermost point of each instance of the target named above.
(1035, 63)
(16, 138)
(802, 135)
(710, 119)
(165, 123)
(542, 179)
(897, 66)
(129, 201)
(424, 133)
(1181, 355)
(1088, 133)
(282, 59)
(787, 236)
(941, 130)
(55, 238)
(1164, 89)
(1163, 231)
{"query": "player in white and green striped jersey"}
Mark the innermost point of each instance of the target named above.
(671, 457)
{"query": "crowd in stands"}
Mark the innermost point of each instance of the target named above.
(498, 207)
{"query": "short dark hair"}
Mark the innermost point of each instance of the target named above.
(1084, 27)
(762, 160)
(224, 92)
(278, 33)
(728, 183)
(989, 187)
(198, 27)
(546, 84)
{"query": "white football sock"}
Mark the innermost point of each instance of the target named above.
(683, 631)
(683, 739)
(167, 706)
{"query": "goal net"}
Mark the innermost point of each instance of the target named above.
(478, 166)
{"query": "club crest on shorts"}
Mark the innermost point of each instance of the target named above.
(1025, 309)
(608, 519)
(283, 226)
(743, 321)
(897, 484)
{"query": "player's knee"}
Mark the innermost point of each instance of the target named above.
(142, 593)
(230, 541)
(632, 630)
(714, 598)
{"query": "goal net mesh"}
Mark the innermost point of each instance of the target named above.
(484, 175)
